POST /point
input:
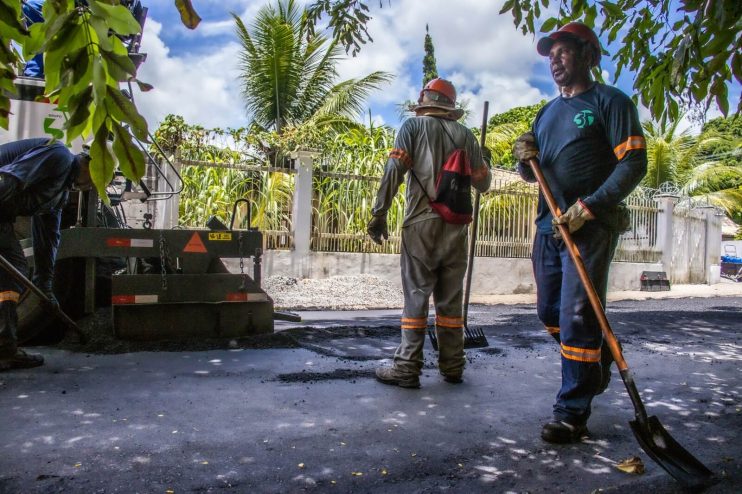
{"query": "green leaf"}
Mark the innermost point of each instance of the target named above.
(102, 162)
(612, 9)
(188, 15)
(10, 18)
(123, 110)
(79, 108)
(508, 6)
(118, 17)
(549, 24)
(120, 67)
(130, 157)
(99, 80)
(100, 27)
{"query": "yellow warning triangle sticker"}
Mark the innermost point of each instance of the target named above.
(195, 244)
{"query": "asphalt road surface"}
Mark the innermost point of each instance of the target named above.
(299, 411)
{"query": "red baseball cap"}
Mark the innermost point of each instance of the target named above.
(574, 30)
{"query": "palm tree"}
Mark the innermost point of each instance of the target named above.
(691, 163)
(716, 176)
(288, 77)
(669, 153)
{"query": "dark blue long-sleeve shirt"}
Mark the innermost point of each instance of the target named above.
(591, 147)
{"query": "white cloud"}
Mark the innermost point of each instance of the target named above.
(203, 89)
(479, 50)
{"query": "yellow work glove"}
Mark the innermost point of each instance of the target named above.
(377, 229)
(525, 148)
(574, 218)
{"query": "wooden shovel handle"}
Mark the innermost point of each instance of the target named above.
(574, 253)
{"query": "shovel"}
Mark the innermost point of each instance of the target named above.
(473, 337)
(47, 304)
(652, 436)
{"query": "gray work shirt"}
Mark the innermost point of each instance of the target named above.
(423, 146)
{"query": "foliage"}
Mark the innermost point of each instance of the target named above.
(681, 57)
(518, 114)
(706, 167)
(288, 76)
(85, 60)
(430, 71)
(504, 128)
(348, 19)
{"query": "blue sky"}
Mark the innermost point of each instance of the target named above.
(195, 72)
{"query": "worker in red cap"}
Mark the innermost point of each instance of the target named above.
(434, 242)
(592, 152)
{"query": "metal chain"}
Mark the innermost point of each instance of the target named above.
(243, 286)
(163, 261)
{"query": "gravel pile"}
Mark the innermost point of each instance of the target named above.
(335, 293)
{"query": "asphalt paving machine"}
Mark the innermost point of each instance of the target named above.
(161, 281)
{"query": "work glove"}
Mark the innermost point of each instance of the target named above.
(525, 148)
(486, 155)
(574, 218)
(377, 229)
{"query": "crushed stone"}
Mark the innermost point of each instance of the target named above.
(358, 292)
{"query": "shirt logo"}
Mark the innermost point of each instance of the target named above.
(584, 119)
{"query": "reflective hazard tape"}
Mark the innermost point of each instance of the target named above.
(414, 322)
(247, 297)
(9, 296)
(134, 299)
(589, 355)
(129, 242)
(633, 142)
(449, 322)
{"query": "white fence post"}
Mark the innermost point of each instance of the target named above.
(713, 244)
(666, 204)
(301, 214)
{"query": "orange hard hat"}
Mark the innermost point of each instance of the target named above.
(573, 30)
(442, 87)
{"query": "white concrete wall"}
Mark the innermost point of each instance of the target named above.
(492, 275)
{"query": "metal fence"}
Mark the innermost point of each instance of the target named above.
(342, 207)
(342, 203)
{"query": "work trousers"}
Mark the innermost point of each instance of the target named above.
(10, 289)
(433, 261)
(564, 308)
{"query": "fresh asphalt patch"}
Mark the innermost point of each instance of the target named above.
(299, 411)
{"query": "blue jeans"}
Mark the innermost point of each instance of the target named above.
(564, 308)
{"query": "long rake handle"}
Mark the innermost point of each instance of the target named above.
(592, 295)
(45, 302)
(474, 226)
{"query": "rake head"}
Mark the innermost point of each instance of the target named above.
(473, 338)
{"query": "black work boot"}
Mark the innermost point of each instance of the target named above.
(559, 432)
(12, 357)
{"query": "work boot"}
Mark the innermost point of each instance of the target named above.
(389, 375)
(453, 378)
(21, 360)
(559, 432)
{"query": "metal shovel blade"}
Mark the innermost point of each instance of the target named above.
(669, 454)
